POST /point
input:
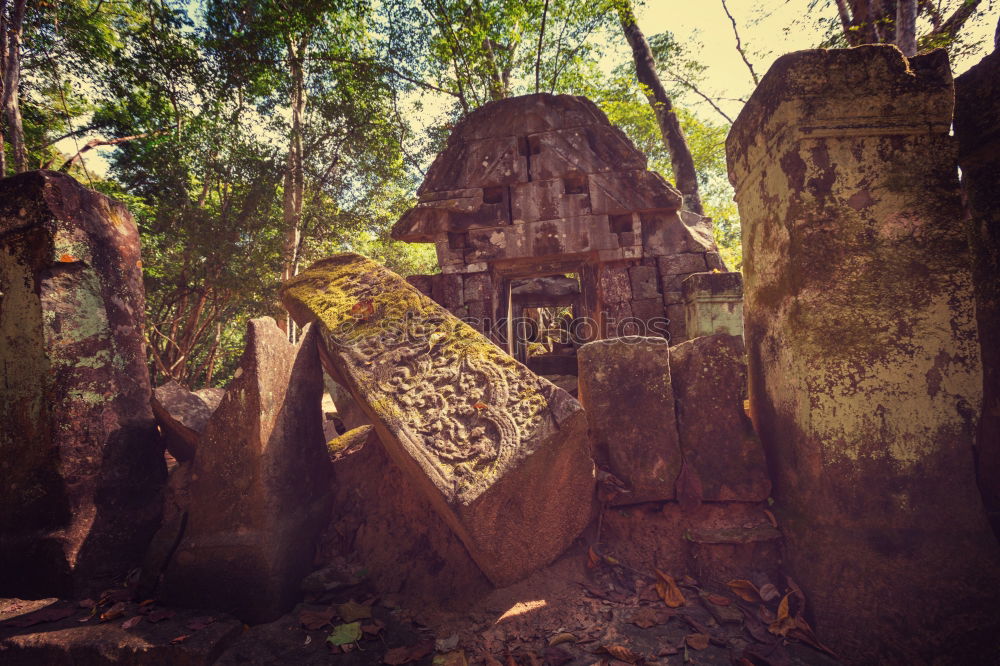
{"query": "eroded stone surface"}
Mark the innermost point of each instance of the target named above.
(501, 453)
(182, 415)
(406, 547)
(626, 389)
(81, 462)
(977, 127)
(716, 437)
(257, 490)
(544, 185)
(713, 303)
(863, 353)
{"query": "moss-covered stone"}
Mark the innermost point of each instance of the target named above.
(501, 452)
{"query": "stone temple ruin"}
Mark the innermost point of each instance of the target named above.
(838, 461)
(544, 186)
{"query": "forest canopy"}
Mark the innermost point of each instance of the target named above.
(251, 137)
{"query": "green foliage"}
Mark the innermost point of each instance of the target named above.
(195, 99)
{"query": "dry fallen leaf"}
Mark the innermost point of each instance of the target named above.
(552, 656)
(745, 590)
(769, 592)
(115, 612)
(783, 622)
(67, 259)
(179, 639)
(160, 615)
(352, 611)
(650, 617)
(667, 588)
(559, 639)
(621, 653)
(131, 622)
(404, 655)
(592, 558)
(719, 600)
(490, 660)
(696, 641)
(313, 620)
(454, 658)
(770, 517)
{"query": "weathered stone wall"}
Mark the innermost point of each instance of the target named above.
(81, 462)
(544, 185)
(865, 380)
(977, 127)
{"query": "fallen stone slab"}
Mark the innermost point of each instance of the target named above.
(625, 387)
(81, 462)
(75, 639)
(501, 453)
(257, 491)
(181, 415)
(717, 439)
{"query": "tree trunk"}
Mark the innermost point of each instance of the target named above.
(906, 27)
(670, 127)
(12, 28)
(294, 181)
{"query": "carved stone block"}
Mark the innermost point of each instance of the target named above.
(501, 453)
(582, 150)
(620, 191)
(626, 389)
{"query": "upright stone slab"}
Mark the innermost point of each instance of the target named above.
(716, 438)
(258, 487)
(500, 452)
(713, 303)
(80, 460)
(626, 389)
(864, 364)
(977, 127)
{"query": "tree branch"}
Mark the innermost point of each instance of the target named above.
(94, 143)
(739, 47)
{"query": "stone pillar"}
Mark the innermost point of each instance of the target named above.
(713, 303)
(865, 376)
(80, 461)
(977, 126)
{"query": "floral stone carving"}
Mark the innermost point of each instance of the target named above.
(501, 453)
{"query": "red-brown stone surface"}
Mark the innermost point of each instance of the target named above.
(625, 387)
(181, 415)
(500, 453)
(258, 487)
(81, 462)
(716, 438)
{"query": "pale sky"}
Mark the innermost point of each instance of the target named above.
(768, 30)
